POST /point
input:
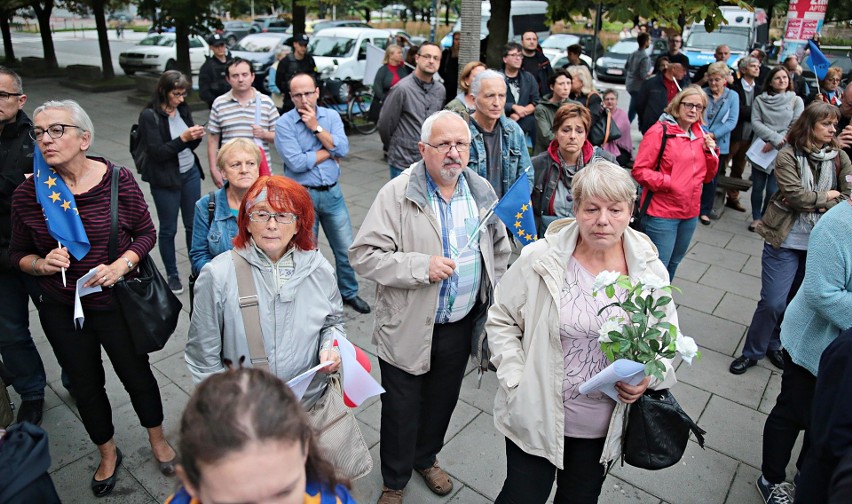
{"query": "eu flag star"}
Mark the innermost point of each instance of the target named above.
(519, 216)
(518, 224)
(66, 205)
(54, 196)
(520, 233)
(529, 238)
(51, 181)
(524, 208)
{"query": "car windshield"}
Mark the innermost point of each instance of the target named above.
(333, 47)
(560, 42)
(158, 40)
(256, 44)
(624, 47)
(736, 39)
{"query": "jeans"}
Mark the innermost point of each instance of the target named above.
(168, 203)
(782, 271)
(631, 109)
(331, 212)
(672, 237)
(759, 182)
(395, 172)
(708, 190)
(529, 478)
(17, 349)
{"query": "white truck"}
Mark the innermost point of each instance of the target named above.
(744, 30)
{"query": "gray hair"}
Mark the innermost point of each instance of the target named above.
(485, 75)
(426, 130)
(604, 180)
(746, 61)
(16, 79)
(610, 91)
(78, 116)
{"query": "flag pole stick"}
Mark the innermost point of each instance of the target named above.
(64, 283)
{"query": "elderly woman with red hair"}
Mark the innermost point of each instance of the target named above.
(300, 310)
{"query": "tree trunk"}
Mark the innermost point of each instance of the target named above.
(471, 19)
(498, 32)
(447, 13)
(7, 39)
(43, 11)
(299, 15)
(367, 15)
(103, 39)
(182, 47)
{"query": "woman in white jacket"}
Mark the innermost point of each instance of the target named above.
(543, 333)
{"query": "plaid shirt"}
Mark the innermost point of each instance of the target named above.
(458, 218)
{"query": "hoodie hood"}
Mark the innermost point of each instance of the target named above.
(588, 151)
(675, 128)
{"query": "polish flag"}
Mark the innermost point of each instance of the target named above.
(358, 384)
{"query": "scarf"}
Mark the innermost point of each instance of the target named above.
(824, 161)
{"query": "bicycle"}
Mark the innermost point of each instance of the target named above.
(352, 100)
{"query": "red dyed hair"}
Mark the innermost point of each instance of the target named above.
(283, 195)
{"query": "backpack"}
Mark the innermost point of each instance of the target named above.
(138, 145)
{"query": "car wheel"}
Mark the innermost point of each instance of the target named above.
(171, 65)
(231, 40)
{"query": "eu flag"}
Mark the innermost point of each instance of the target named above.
(515, 210)
(817, 60)
(59, 207)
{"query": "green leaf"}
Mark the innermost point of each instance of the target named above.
(663, 300)
(637, 318)
(624, 282)
(610, 291)
(655, 345)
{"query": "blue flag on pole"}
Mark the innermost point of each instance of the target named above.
(817, 60)
(60, 209)
(515, 210)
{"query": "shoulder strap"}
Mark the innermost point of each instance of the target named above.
(647, 201)
(247, 292)
(113, 210)
(211, 207)
(608, 126)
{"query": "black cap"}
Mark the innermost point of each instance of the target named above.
(215, 40)
(301, 39)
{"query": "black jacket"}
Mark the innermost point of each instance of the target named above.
(745, 109)
(538, 65)
(163, 165)
(449, 71)
(211, 79)
(652, 102)
(528, 94)
(287, 68)
(24, 460)
(16, 159)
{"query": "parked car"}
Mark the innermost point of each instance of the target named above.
(587, 42)
(324, 24)
(158, 53)
(414, 39)
(233, 31)
(555, 48)
(269, 24)
(259, 49)
(610, 66)
(341, 53)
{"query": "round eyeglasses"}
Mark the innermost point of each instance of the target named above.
(280, 218)
(54, 131)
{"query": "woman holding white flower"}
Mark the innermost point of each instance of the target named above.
(545, 304)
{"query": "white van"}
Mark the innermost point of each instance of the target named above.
(341, 53)
(525, 15)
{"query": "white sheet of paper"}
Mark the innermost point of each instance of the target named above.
(299, 385)
(622, 370)
(80, 292)
(756, 155)
(358, 384)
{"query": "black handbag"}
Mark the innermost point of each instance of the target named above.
(147, 304)
(604, 129)
(656, 431)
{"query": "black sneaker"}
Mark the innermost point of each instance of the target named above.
(175, 285)
(780, 493)
(31, 411)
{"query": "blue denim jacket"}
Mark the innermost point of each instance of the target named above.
(210, 240)
(516, 157)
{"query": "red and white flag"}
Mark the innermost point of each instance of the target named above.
(358, 384)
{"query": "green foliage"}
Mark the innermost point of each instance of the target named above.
(666, 12)
(196, 15)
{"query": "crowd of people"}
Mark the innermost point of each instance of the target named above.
(267, 306)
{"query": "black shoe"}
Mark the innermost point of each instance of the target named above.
(103, 488)
(741, 364)
(357, 304)
(776, 358)
(31, 411)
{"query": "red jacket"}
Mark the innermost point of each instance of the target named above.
(685, 166)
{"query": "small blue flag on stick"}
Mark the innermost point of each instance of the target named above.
(60, 209)
(516, 211)
(817, 60)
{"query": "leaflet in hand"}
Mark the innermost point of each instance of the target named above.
(81, 291)
(763, 160)
(299, 385)
(622, 370)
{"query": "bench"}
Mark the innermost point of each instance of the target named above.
(723, 185)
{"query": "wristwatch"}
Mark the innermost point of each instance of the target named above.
(130, 264)
(318, 130)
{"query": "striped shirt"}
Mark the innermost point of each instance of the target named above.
(231, 120)
(135, 232)
(458, 219)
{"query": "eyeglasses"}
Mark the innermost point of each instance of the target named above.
(54, 131)
(833, 79)
(301, 96)
(429, 57)
(692, 106)
(5, 96)
(280, 218)
(178, 94)
(445, 147)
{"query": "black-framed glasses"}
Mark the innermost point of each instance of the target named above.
(54, 131)
(179, 94)
(445, 147)
(692, 106)
(5, 96)
(280, 218)
(302, 96)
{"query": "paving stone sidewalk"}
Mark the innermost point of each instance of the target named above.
(720, 278)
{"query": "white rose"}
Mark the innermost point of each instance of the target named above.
(604, 279)
(652, 282)
(687, 348)
(613, 324)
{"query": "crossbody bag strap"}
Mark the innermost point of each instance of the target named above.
(211, 207)
(647, 201)
(113, 212)
(247, 296)
(608, 126)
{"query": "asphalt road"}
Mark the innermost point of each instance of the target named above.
(75, 48)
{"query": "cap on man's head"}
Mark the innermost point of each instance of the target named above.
(216, 39)
(301, 39)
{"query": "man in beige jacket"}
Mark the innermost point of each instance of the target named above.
(435, 271)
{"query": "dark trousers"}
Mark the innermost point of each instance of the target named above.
(416, 410)
(790, 415)
(529, 478)
(17, 349)
(79, 354)
(738, 161)
(169, 202)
